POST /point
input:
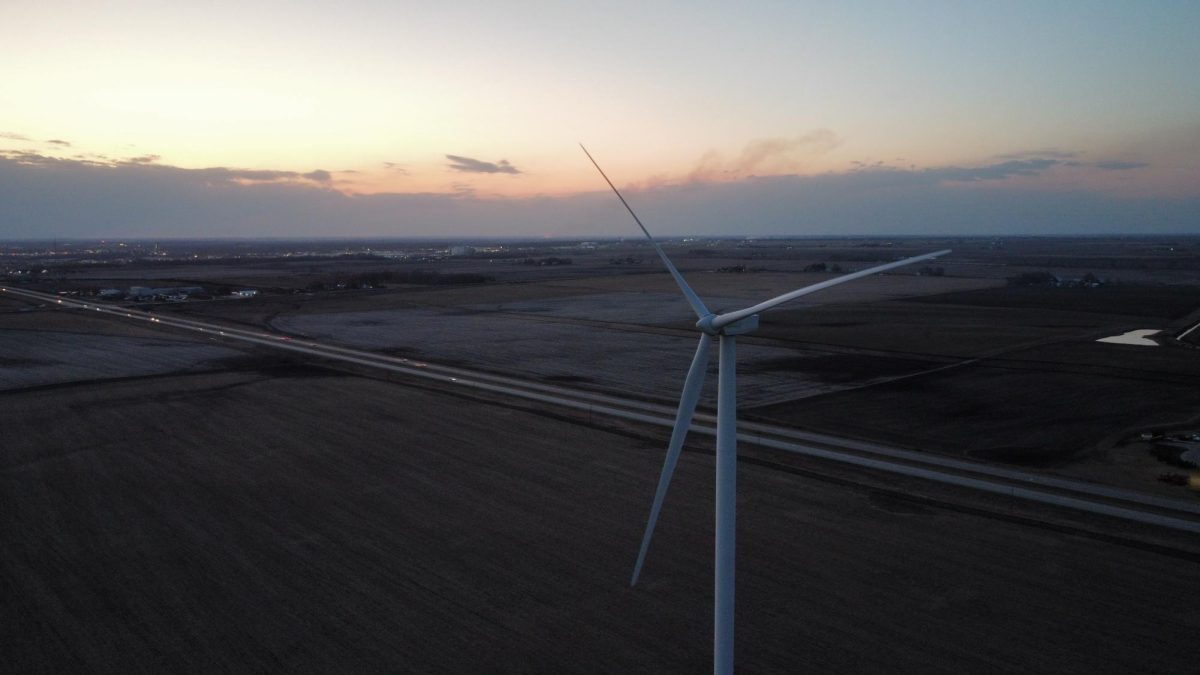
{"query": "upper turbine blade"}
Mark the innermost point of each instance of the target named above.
(693, 299)
(730, 317)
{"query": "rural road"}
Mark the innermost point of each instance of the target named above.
(1075, 495)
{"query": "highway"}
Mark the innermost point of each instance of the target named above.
(1118, 503)
(1186, 332)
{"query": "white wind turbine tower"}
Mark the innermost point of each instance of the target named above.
(727, 327)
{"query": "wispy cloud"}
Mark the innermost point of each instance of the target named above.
(999, 171)
(469, 165)
(1120, 166)
(13, 136)
(463, 189)
(149, 163)
(764, 155)
(259, 175)
(1044, 153)
(22, 157)
(1069, 158)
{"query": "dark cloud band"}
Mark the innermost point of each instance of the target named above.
(121, 197)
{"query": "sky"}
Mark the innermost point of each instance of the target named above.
(299, 118)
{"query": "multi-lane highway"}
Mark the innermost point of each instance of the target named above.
(1065, 493)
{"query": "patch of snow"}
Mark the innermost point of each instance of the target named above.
(1134, 337)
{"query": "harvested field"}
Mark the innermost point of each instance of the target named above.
(627, 331)
(38, 358)
(1043, 395)
(1049, 406)
(934, 330)
(257, 521)
(1162, 302)
(254, 512)
(621, 358)
(843, 368)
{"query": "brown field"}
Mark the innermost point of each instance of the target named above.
(171, 503)
(1166, 302)
(1024, 409)
(294, 519)
(855, 360)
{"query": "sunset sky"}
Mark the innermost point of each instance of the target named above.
(393, 118)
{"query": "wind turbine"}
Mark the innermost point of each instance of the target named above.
(727, 327)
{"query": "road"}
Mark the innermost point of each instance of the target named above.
(1069, 494)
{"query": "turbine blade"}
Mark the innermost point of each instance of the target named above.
(693, 299)
(730, 317)
(683, 419)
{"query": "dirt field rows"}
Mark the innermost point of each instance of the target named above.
(35, 358)
(295, 520)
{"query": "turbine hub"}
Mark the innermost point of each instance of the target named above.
(705, 324)
(739, 327)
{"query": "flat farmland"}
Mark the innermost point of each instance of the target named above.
(956, 366)
(1154, 301)
(296, 519)
(1037, 390)
(172, 502)
(1024, 409)
(932, 330)
(625, 359)
(39, 358)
